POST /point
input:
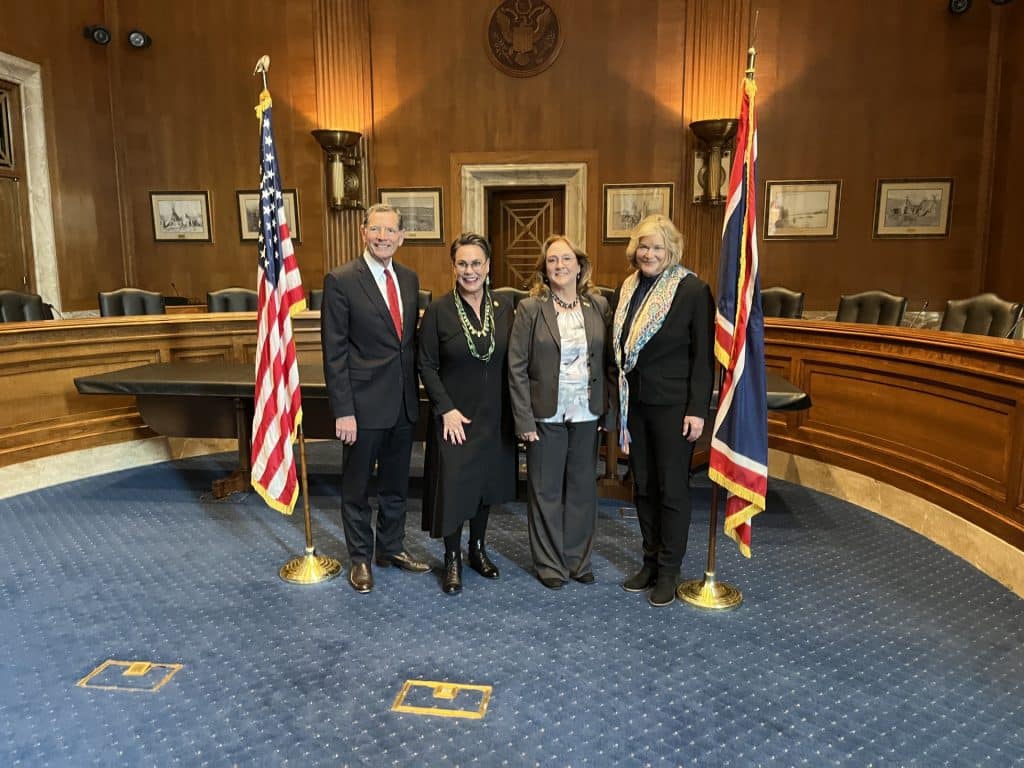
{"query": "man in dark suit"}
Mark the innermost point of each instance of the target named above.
(368, 330)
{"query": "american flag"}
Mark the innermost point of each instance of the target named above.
(278, 400)
(739, 443)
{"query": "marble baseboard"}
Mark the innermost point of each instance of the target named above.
(64, 467)
(987, 553)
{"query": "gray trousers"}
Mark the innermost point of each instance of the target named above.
(561, 469)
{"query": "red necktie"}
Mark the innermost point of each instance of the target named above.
(396, 314)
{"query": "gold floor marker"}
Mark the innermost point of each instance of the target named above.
(151, 676)
(442, 692)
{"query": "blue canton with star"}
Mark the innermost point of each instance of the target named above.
(271, 201)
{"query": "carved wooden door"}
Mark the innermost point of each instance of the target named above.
(519, 220)
(15, 249)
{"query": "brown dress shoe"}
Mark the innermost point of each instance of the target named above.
(360, 577)
(403, 560)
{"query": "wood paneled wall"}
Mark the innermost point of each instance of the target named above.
(175, 116)
(80, 135)
(615, 90)
(717, 37)
(344, 102)
(858, 91)
(1004, 269)
(187, 122)
(852, 91)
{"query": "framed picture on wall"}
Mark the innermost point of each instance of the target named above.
(912, 208)
(422, 214)
(799, 209)
(181, 216)
(249, 213)
(626, 205)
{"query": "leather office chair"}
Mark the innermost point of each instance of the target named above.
(876, 307)
(608, 293)
(985, 314)
(316, 299)
(517, 294)
(424, 299)
(782, 302)
(17, 307)
(232, 300)
(131, 301)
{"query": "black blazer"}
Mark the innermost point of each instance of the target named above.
(369, 373)
(534, 360)
(676, 366)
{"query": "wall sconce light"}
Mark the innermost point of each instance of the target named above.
(98, 34)
(346, 170)
(139, 39)
(712, 160)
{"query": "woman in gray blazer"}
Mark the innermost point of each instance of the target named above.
(559, 389)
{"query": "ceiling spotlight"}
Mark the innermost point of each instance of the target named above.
(139, 39)
(98, 34)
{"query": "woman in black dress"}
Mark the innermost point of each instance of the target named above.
(471, 460)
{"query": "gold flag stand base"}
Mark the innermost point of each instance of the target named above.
(310, 568)
(709, 594)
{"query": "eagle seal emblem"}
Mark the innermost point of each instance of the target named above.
(523, 37)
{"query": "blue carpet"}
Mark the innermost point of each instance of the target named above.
(858, 643)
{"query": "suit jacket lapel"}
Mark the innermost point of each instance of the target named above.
(499, 308)
(547, 309)
(410, 304)
(592, 320)
(373, 292)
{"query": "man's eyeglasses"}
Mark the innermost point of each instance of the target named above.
(376, 230)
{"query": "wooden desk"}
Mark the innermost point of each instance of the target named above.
(215, 399)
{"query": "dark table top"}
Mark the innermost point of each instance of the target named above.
(221, 379)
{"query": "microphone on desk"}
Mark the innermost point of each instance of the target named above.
(53, 310)
(920, 315)
(1009, 333)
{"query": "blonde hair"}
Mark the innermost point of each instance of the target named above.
(656, 224)
(539, 278)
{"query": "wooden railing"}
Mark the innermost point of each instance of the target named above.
(936, 414)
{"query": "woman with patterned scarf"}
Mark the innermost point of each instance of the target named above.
(663, 346)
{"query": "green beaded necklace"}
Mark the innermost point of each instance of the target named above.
(471, 333)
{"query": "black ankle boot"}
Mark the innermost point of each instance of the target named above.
(642, 580)
(664, 592)
(480, 562)
(452, 581)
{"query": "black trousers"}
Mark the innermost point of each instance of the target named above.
(659, 457)
(390, 450)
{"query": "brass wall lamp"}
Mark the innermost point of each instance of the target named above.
(346, 169)
(711, 174)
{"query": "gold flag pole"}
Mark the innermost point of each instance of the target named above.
(309, 568)
(709, 593)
